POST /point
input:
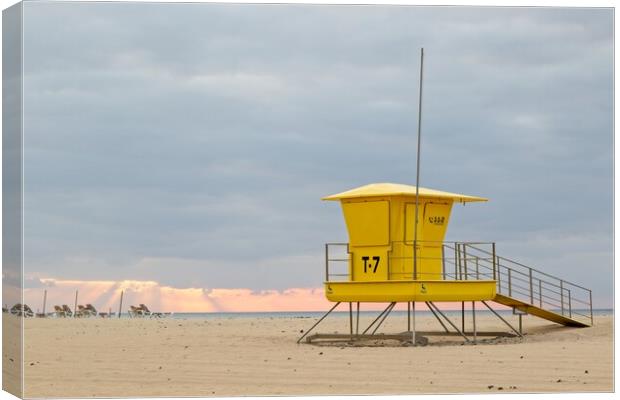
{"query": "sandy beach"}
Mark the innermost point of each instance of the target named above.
(259, 356)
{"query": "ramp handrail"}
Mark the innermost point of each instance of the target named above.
(533, 286)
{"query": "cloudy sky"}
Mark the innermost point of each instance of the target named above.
(180, 151)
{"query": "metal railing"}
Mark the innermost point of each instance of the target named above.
(479, 261)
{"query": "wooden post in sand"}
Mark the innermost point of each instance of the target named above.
(120, 305)
(44, 300)
(75, 304)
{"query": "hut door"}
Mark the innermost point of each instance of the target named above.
(436, 217)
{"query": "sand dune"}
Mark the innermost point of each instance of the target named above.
(259, 356)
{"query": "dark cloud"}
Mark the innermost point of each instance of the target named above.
(205, 134)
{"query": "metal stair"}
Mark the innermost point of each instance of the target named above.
(521, 287)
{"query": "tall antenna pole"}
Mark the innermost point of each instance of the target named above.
(417, 179)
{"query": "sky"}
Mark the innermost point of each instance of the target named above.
(179, 152)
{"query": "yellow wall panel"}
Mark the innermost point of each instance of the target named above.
(368, 222)
(370, 263)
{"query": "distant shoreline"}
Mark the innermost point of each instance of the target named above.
(336, 314)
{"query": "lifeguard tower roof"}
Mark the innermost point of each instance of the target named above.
(397, 189)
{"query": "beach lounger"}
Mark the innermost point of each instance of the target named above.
(145, 310)
(152, 314)
(90, 310)
(67, 310)
(59, 312)
(81, 312)
(135, 312)
(22, 310)
(86, 311)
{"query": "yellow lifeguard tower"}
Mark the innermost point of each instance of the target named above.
(392, 258)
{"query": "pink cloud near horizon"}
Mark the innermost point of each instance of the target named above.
(105, 295)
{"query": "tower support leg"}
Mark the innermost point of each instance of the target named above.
(351, 319)
(318, 322)
(357, 320)
(500, 317)
(376, 319)
(437, 317)
(473, 316)
(448, 320)
(413, 323)
(389, 310)
(408, 316)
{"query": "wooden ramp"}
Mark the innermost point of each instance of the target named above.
(539, 312)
